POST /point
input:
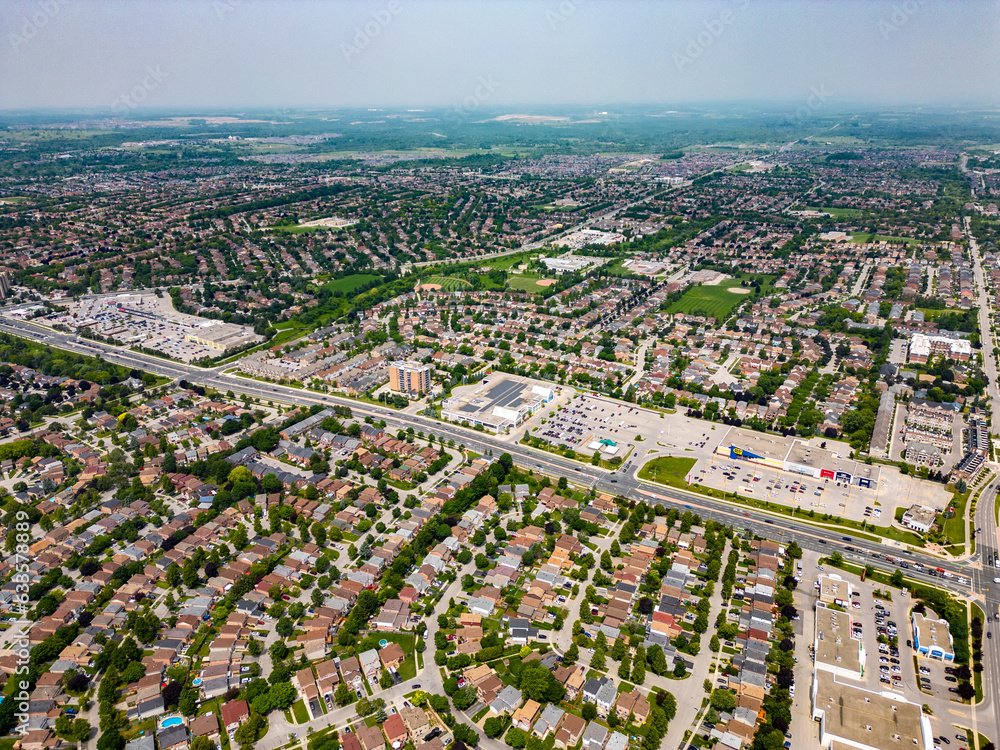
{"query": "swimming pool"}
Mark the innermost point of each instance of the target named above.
(383, 643)
(196, 681)
(173, 721)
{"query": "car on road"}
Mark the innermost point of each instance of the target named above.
(415, 687)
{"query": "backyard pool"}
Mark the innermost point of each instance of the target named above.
(196, 681)
(383, 643)
(173, 721)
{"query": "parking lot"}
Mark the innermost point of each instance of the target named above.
(149, 320)
(885, 667)
(587, 419)
(876, 504)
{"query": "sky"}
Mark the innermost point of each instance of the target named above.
(134, 55)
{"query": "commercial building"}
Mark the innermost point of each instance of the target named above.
(410, 377)
(852, 717)
(837, 651)
(919, 518)
(5, 284)
(932, 638)
(795, 456)
(497, 404)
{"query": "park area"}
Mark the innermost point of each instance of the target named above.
(715, 301)
(529, 283)
(348, 284)
(445, 284)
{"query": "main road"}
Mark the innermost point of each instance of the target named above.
(965, 578)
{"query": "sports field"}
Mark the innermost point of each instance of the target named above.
(529, 283)
(884, 238)
(710, 301)
(448, 283)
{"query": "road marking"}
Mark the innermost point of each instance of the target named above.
(957, 713)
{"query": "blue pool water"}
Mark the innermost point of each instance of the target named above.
(173, 721)
(383, 643)
(196, 681)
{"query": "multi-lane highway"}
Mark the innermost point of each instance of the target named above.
(971, 577)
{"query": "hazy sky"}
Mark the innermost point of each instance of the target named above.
(493, 53)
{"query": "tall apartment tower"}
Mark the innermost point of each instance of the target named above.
(410, 377)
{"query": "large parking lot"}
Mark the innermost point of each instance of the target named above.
(876, 504)
(885, 667)
(149, 320)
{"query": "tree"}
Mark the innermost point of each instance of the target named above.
(516, 738)
(493, 726)
(571, 655)
(463, 733)
(202, 743)
(639, 668)
(343, 695)
(657, 660)
(723, 700)
(588, 711)
(624, 669)
(597, 660)
(385, 679)
(251, 730)
(619, 650)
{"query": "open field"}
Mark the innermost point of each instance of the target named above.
(448, 283)
(527, 283)
(837, 213)
(884, 238)
(712, 301)
(669, 470)
(348, 284)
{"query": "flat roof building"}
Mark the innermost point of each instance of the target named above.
(853, 717)
(836, 651)
(796, 456)
(932, 638)
(497, 404)
(919, 518)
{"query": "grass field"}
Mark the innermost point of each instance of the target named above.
(526, 283)
(303, 230)
(448, 283)
(348, 284)
(669, 470)
(837, 213)
(884, 238)
(712, 301)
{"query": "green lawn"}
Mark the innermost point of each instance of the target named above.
(448, 283)
(408, 669)
(669, 470)
(837, 213)
(711, 301)
(348, 284)
(884, 238)
(526, 283)
(299, 711)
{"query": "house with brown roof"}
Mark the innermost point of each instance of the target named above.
(233, 714)
(395, 731)
(370, 737)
